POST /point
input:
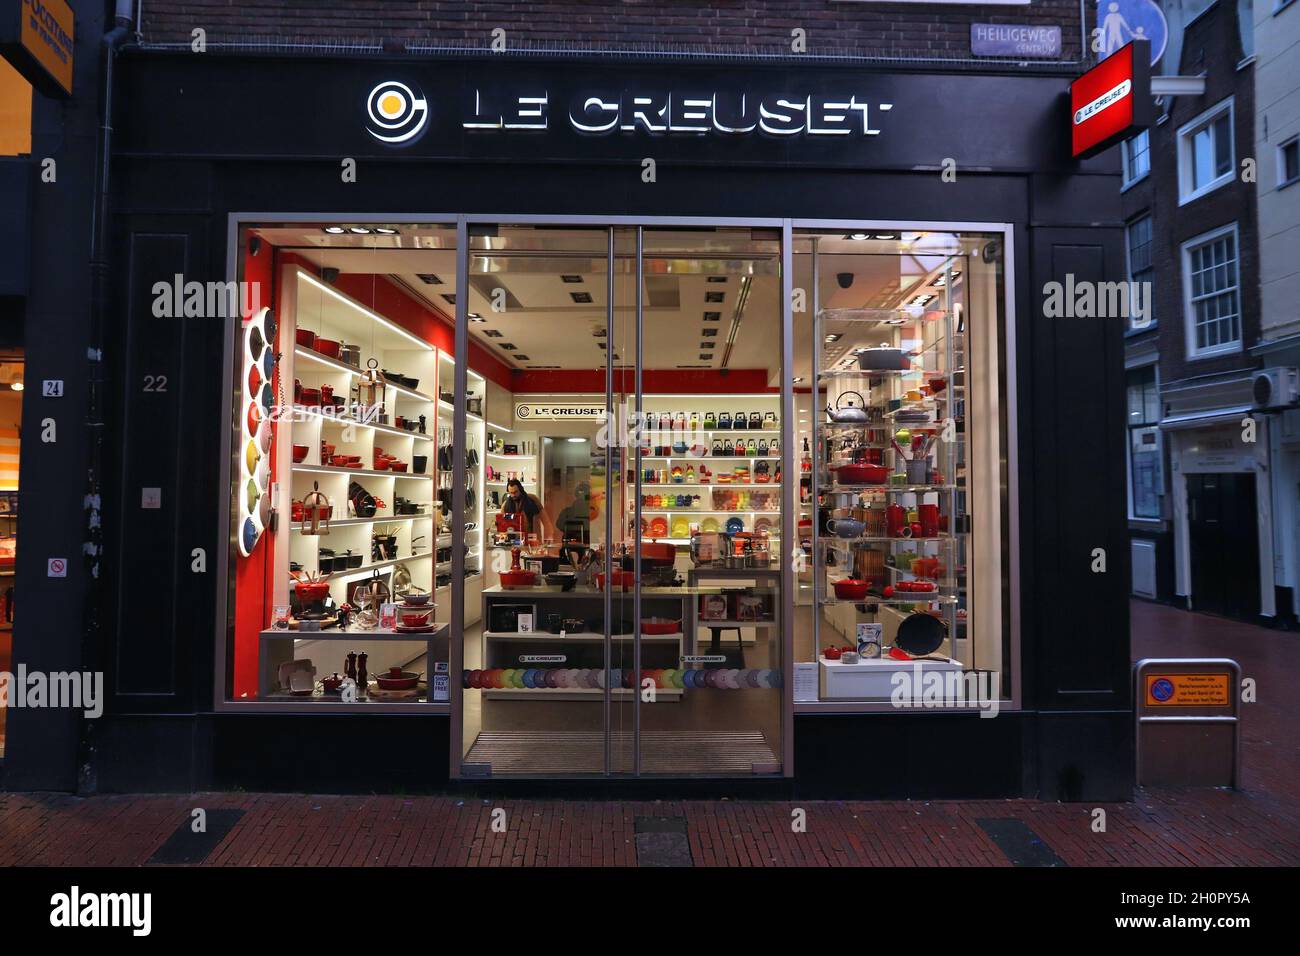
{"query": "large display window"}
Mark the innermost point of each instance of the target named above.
(905, 551)
(691, 478)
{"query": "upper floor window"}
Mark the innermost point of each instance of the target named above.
(1205, 152)
(1141, 273)
(1211, 293)
(1137, 158)
(1288, 161)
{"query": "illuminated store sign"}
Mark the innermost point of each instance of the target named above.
(656, 113)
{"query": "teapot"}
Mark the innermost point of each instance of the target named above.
(849, 414)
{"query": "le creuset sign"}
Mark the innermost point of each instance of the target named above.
(397, 113)
(1112, 101)
(551, 412)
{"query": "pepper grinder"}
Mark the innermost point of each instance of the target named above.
(422, 424)
(350, 668)
(362, 674)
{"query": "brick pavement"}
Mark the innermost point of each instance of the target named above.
(1259, 825)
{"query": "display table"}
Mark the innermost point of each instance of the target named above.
(871, 679)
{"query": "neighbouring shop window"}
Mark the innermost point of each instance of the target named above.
(1144, 443)
(901, 434)
(1137, 158)
(1205, 152)
(1288, 161)
(1211, 298)
(1141, 273)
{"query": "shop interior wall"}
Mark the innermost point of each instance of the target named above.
(1074, 624)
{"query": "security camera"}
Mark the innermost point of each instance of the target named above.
(329, 274)
(845, 279)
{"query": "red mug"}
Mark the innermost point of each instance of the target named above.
(929, 518)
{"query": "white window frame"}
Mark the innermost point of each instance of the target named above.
(1189, 313)
(1282, 181)
(1153, 364)
(1186, 158)
(1128, 271)
(1129, 178)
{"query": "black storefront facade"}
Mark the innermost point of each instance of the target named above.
(204, 146)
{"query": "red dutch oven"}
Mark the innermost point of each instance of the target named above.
(851, 589)
(856, 473)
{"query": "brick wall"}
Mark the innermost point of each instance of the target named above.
(1211, 45)
(753, 26)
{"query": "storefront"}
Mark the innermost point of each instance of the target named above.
(756, 355)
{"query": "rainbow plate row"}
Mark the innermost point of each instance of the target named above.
(580, 678)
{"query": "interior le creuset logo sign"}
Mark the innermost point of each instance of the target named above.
(560, 412)
(397, 114)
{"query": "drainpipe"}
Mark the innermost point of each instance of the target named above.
(92, 546)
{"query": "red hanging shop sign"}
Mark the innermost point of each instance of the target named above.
(1112, 101)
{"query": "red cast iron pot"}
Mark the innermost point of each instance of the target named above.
(306, 338)
(299, 453)
(397, 679)
(518, 579)
(328, 347)
(851, 589)
(860, 474)
(623, 580)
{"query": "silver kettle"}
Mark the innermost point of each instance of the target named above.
(848, 414)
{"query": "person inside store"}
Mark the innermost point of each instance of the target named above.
(521, 502)
(574, 522)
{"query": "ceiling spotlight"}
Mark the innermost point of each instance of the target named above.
(578, 441)
(858, 236)
(475, 317)
(886, 235)
(334, 230)
(359, 230)
(797, 379)
(17, 386)
(833, 337)
(385, 231)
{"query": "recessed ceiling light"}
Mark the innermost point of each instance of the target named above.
(707, 345)
(428, 278)
(492, 333)
(581, 297)
(17, 386)
(712, 316)
(508, 346)
(709, 333)
(475, 317)
(334, 230)
(797, 379)
(385, 231)
(858, 236)
(704, 355)
(520, 356)
(717, 278)
(359, 230)
(833, 337)
(577, 441)
(449, 297)
(714, 296)
(886, 235)
(569, 278)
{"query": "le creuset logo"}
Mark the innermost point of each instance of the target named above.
(1109, 98)
(75, 909)
(398, 113)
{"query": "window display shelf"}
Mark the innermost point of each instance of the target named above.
(707, 458)
(896, 489)
(578, 637)
(408, 392)
(840, 542)
(370, 472)
(377, 519)
(377, 566)
(353, 634)
(835, 373)
(882, 316)
(343, 422)
(470, 416)
(894, 601)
